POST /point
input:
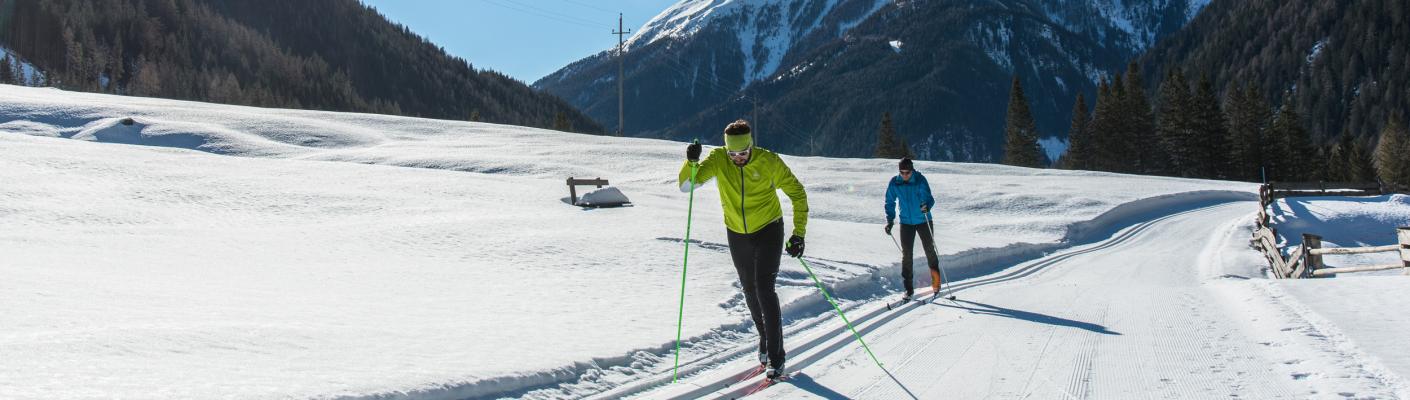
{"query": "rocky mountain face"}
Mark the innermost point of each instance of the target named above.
(815, 76)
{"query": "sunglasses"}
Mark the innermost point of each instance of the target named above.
(740, 153)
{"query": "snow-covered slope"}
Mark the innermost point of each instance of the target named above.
(295, 254)
(29, 75)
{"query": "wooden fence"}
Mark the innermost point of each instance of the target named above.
(1313, 252)
(1306, 261)
(573, 184)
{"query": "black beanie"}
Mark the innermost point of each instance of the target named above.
(906, 164)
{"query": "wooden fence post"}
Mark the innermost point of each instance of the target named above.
(1404, 234)
(1312, 262)
(572, 192)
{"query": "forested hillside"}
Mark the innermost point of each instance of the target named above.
(315, 54)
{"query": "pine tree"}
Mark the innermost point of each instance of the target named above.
(1102, 130)
(21, 78)
(1339, 160)
(1176, 128)
(147, 80)
(887, 144)
(1248, 123)
(1079, 138)
(1362, 167)
(1138, 130)
(561, 123)
(1293, 146)
(1392, 162)
(903, 150)
(7, 70)
(1020, 132)
(1210, 132)
(1118, 143)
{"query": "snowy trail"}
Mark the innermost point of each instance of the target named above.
(1128, 317)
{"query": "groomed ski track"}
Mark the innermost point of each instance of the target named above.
(1124, 317)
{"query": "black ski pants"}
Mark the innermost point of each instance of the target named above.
(927, 241)
(756, 257)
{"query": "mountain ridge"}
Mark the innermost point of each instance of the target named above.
(940, 67)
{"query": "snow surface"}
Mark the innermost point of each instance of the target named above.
(1123, 318)
(1357, 315)
(1170, 307)
(222, 251)
(1315, 51)
(1053, 146)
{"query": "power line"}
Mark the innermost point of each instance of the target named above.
(588, 5)
(549, 16)
(551, 12)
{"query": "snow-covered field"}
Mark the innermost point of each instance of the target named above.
(212, 251)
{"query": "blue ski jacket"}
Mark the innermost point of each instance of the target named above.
(912, 194)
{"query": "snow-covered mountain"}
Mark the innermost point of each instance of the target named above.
(821, 72)
(766, 30)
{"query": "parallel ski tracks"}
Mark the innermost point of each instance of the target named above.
(706, 381)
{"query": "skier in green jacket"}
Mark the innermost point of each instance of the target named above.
(748, 178)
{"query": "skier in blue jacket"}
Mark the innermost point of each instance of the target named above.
(912, 191)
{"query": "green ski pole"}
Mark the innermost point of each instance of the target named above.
(680, 315)
(839, 313)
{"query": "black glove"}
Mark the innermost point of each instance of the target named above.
(924, 208)
(795, 246)
(888, 228)
(692, 152)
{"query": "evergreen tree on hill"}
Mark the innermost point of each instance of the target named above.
(1102, 129)
(1362, 166)
(1293, 160)
(1248, 118)
(1138, 137)
(888, 144)
(1392, 164)
(1020, 132)
(1210, 132)
(1176, 126)
(1079, 138)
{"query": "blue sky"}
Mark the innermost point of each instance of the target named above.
(525, 39)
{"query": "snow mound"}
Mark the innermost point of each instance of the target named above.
(604, 197)
(113, 130)
(31, 128)
(210, 138)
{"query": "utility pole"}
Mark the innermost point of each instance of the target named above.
(620, 63)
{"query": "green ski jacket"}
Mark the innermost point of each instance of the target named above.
(747, 193)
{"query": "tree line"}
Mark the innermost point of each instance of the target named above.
(1188, 130)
